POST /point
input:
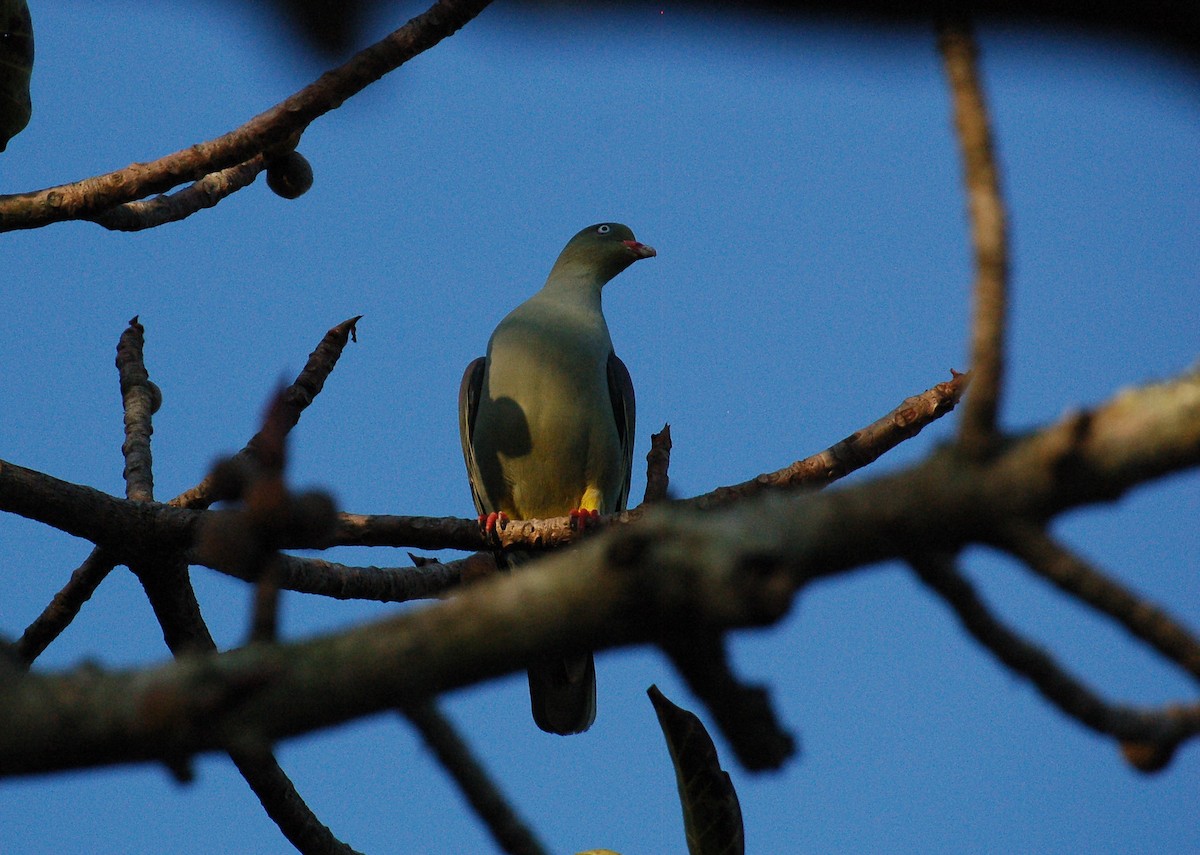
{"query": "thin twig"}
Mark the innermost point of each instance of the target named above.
(978, 434)
(1163, 728)
(295, 398)
(283, 804)
(58, 615)
(509, 831)
(1070, 573)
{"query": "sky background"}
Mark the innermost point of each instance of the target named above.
(802, 186)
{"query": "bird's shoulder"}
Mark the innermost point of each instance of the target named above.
(553, 315)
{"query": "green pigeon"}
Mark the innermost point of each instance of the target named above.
(547, 427)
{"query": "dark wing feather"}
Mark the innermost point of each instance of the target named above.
(620, 390)
(469, 392)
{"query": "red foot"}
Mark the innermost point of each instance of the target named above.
(489, 522)
(582, 519)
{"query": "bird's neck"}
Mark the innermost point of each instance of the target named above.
(575, 283)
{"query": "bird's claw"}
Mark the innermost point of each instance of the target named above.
(582, 519)
(493, 521)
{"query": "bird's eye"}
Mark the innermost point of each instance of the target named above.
(604, 229)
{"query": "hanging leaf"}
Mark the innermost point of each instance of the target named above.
(16, 64)
(712, 817)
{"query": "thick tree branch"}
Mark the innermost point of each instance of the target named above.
(263, 134)
(677, 569)
(128, 528)
(978, 434)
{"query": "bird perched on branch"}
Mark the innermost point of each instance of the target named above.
(547, 427)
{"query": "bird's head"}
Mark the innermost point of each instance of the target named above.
(604, 250)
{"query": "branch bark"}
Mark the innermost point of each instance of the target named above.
(278, 127)
(978, 434)
(676, 569)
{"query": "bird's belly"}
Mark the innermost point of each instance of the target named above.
(568, 454)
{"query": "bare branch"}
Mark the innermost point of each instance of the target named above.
(139, 397)
(861, 448)
(296, 397)
(263, 134)
(1165, 728)
(677, 569)
(658, 461)
(283, 804)
(742, 712)
(341, 582)
(205, 193)
(978, 433)
(1084, 459)
(857, 450)
(63, 609)
(127, 527)
(506, 827)
(1070, 573)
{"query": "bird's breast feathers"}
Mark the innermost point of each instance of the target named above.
(547, 379)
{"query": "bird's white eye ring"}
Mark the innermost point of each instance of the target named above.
(604, 229)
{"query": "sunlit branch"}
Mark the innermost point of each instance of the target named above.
(978, 432)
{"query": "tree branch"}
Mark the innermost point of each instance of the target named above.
(855, 451)
(276, 128)
(295, 399)
(736, 567)
(1164, 729)
(742, 712)
(1070, 573)
(658, 461)
(341, 582)
(861, 448)
(138, 396)
(511, 834)
(978, 433)
(63, 609)
(205, 193)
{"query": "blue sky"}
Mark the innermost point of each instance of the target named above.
(801, 185)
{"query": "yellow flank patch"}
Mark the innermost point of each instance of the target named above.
(591, 499)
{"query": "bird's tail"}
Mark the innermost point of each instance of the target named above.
(562, 693)
(562, 689)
